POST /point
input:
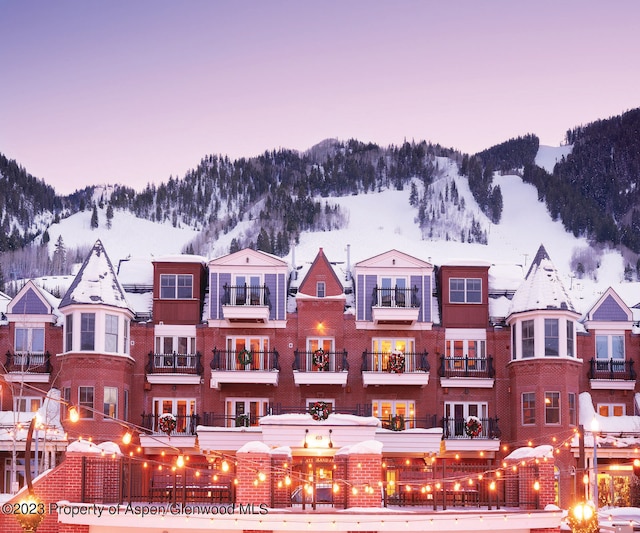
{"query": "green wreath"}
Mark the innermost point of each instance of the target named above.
(245, 357)
(242, 421)
(397, 423)
(473, 427)
(321, 359)
(320, 410)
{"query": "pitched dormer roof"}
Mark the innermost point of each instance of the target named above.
(96, 282)
(321, 266)
(542, 287)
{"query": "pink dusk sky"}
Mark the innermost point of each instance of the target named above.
(135, 91)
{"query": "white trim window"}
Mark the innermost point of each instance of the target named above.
(551, 337)
(86, 396)
(387, 410)
(552, 408)
(27, 404)
(528, 408)
(573, 419)
(241, 412)
(612, 409)
(465, 346)
(465, 290)
(258, 347)
(610, 347)
(111, 324)
(393, 291)
(247, 290)
(457, 414)
(178, 344)
(321, 289)
(181, 408)
(29, 340)
(176, 286)
(110, 403)
(382, 348)
(528, 339)
(87, 332)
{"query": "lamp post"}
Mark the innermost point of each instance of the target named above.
(595, 427)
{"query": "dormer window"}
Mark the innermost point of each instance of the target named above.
(465, 290)
(176, 286)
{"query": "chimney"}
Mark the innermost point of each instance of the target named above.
(293, 262)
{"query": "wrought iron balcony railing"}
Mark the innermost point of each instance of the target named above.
(466, 367)
(614, 369)
(257, 295)
(395, 297)
(244, 360)
(185, 424)
(394, 362)
(174, 363)
(460, 428)
(32, 362)
(320, 361)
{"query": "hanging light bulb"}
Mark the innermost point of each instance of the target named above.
(225, 466)
(126, 438)
(180, 461)
(74, 416)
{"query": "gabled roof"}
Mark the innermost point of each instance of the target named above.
(249, 257)
(609, 308)
(393, 258)
(322, 265)
(32, 300)
(542, 287)
(96, 282)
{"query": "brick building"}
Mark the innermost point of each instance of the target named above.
(447, 371)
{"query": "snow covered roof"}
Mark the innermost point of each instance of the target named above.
(542, 288)
(96, 282)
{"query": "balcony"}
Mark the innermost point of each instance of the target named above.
(459, 436)
(244, 366)
(174, 368)
(398, 306)
(246, 304)
(612, 374)
(395, 368)
(320, 368)
(183, 435)
(476, 372)
(34, 367)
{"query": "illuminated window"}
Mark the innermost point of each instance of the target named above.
(552, 408)
(245, 411)
(85, 402)
(611, 409)
(386, 410)
(110, 402)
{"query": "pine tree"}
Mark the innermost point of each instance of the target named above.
(109, 216)
(59, 257)
(94, 217)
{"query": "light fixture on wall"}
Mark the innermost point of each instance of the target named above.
(306, 433)
(330, 441)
